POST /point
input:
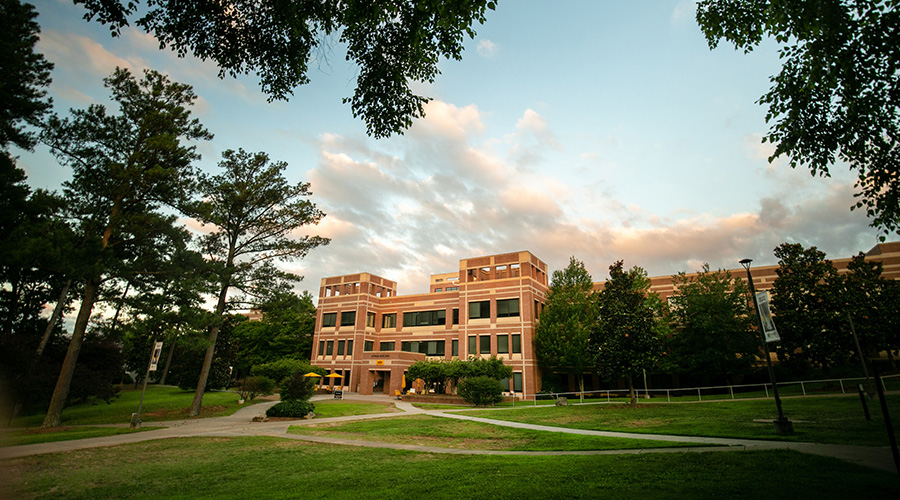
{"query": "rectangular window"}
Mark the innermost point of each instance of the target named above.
(348, 318)
(502, 344)
(517, 344)
(427, 347)
(385, 346)
(451, 289)
(455, 346)
(370, 319)
(456, 316)
(329, 319)
(425, 318)
(485, 344)
(517, 382)
(472, 345)
(346, 380)
(508, 308)
(438, 290)
(349, 348)
(329, 348)
(321, 348)
(369, 346)
(341, 344)
(479, 310)
(505, 383)
(389, 320)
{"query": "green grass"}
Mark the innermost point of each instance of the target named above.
(17, 437)
(273, 468)
(424, 430)
(837, 420)
(160, 404)
(328, 409)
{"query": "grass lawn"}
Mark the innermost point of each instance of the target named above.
(328, 409)
(424, 430)
(160, 403)
(837, 420)
(273, 468)
(16, 437)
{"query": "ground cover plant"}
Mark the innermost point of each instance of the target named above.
(425, 430)
(16, 437)
(837, 420)
(160, 404)
(276, 468)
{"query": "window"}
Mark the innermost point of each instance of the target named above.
(508, 308)
(438, 290)
(485, 344)
(456, 316)
(426, 347)
(454, 345)
(349, 348)
(505, 383)
(329, 319)
(385, 346)
(369, 346)
(341, 344)
(472, 345)
(451, 289)
(348, 318)
(329, 348)
(517, 382)
(517, 344)
(479, 310)
(321, 348)
(370, 319)
(425, 318)
(389, 320)
(502, 344)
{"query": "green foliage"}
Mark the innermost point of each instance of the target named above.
(626, 337)
(837, 95)
(298, 387)
(188, 357)
(562, 339)
(294, 408)
(393, 43)
(286, 367)
(439, 374)
(714, 337)
(251, 387)
(481, 390)
(285, 330)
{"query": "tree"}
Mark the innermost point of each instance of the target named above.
(255, 214)
(837, 94)
(393, 42)
(714, 337)
(562, 339)
(626, 337)
(24, 74)
(125, 169)
(285, 330)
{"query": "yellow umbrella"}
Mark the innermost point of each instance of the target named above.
(312, 374)
(333, 375)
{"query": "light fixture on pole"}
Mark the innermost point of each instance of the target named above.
(782, 424)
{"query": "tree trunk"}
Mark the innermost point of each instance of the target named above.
(61, 392)
(57, 312)
(581, 386)
(631, 393)
(162, 381)
(211, 350)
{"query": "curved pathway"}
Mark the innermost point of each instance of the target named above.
(241, 424)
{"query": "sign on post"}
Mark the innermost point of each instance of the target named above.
(157, 351)
(765, 316)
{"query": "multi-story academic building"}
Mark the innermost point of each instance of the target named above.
(370, 335)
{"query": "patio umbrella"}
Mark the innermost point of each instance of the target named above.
(312, 374)
(333, 375)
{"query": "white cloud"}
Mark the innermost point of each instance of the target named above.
(487, 48)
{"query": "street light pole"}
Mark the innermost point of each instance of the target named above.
(782, 424)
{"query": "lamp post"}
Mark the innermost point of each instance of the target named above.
(782, 424)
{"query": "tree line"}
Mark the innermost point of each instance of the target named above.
(707, 330)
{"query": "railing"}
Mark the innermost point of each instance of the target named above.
(720, 392)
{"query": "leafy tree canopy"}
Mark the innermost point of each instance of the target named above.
(838, 91)
(393, 42)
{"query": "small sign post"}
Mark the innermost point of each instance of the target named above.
(151, 367)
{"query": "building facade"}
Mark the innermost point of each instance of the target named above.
(370, 335)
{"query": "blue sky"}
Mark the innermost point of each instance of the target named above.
(603, 130)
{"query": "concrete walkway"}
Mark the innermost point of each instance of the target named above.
(240, 424)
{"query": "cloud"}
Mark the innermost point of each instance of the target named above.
(487, 48)
(79, 53)
(684, 11)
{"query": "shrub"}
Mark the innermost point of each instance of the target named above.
(481, 391)
(292, 409)
(255, 386)
(297, 387)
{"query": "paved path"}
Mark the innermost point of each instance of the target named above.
(240, 424)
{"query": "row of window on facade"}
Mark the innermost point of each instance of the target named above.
(478, 344)
(506, 308)
(345, 381)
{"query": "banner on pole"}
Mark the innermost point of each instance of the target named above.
(157, 351)
(765, 316)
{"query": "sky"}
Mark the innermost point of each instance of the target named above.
(601, 130)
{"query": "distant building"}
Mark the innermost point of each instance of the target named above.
(370, 335)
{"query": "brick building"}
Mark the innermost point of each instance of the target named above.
(370, 335)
